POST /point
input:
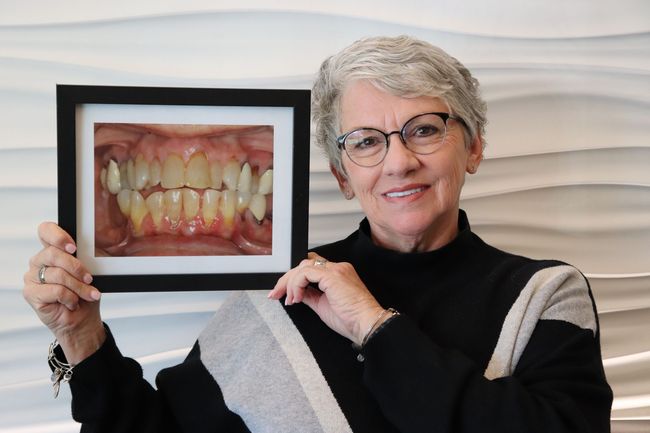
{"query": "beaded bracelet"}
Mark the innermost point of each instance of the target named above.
(374, 329)
(61, 371)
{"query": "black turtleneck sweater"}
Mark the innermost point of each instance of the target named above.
(486, 342)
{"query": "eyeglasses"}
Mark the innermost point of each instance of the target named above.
(423, 134)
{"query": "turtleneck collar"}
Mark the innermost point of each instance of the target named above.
(454, 250)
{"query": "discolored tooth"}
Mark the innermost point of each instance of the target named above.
(190, 203)
(197, 173)
(255, 182)
(228, 205)
(266, 182)
(154, 172)
(141, 172)
(231, 175)
(173, 200)
(245, 179)
(124, 178)
(130, 173)
(124, 201)
(243, 198)
(210, 205)
(102, 177)
(138, 211)
(257, 206)
(155, 204)
(216, 175)
(173, 172)
(113, 177)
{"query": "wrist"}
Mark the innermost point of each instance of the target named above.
(365, 323)
(79, 345)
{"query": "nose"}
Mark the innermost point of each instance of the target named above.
(399, 160)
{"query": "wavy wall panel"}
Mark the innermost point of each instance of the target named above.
(566, 171)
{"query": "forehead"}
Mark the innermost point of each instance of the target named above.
(363, 104)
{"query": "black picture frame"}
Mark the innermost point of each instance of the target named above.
(80, 107)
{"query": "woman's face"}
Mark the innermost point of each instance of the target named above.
(411, 200)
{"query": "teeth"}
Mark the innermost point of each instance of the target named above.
(102, 177)
(141, 172)
(190, 203)
(130, 173)
(243, 189)
(266, 183)
(228, 205)
(138, 210)
(245, 179)
(156, 207)
(210, 205)
(197, 174)
(174, 204)
(403, 193)
(124, 176)
(113, 177)
(154, 172)
(243, 198)
(257, 206)
(124, 201)
(255, 182)
(173, 172)
(216, 175)
(231, 175)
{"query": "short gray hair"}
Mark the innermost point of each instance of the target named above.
(402, 66)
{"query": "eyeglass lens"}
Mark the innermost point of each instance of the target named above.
(423, 134)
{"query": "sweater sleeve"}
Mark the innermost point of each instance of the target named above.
(558, 385)
(109, 394)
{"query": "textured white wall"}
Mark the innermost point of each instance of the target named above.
(566, 174)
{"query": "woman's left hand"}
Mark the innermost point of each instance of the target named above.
(343, 301)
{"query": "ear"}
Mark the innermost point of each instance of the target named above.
(474, 154)
(344, 185)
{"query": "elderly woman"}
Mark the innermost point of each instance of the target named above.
(410, 324)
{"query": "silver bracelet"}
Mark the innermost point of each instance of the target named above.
(373, 330)
(62, 372)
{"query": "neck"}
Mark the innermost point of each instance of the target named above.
(440, 234)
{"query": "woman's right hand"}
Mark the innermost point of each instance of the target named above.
(66, 302)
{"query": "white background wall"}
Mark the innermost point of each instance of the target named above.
(566, 174)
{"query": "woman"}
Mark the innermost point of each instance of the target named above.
(448, 334)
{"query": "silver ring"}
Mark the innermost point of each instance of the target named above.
(41, 274)
(320, 262)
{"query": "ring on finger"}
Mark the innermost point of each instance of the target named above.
(320, 262)
(41, 274)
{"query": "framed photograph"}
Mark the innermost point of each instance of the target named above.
(167, 189)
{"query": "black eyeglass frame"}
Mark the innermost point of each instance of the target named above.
(444, 116)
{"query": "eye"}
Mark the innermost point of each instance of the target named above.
(362, 143)
(424, 130)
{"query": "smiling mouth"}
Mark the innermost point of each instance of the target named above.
(405, 193)
(183, 189)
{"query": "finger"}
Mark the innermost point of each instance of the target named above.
(41, 296)
(52, 256)
(312, 297)
(298, 282)
(59, 276)
(280, 288)
(50, 233)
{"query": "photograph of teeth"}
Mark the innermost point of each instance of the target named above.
(191, 188)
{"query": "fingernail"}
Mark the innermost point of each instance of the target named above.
(88, 278)
(70, 248)
(96, 295)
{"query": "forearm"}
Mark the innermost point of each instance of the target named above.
(420, 385)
